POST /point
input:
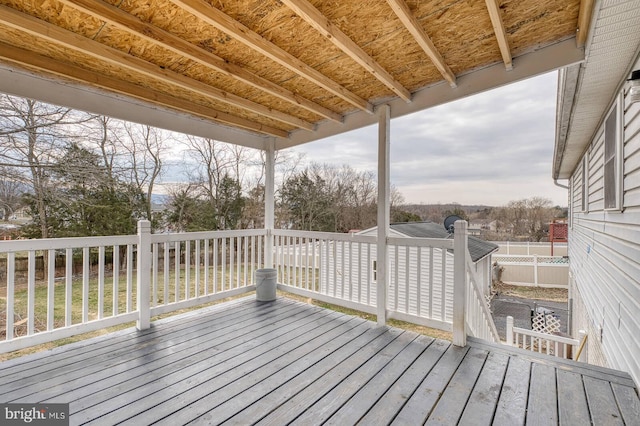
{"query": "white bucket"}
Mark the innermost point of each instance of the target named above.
(266, 284)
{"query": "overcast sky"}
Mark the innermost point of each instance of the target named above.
(487, 149)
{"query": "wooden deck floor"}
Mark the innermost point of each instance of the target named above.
(285, 362)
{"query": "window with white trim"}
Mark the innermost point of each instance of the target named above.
(613, 158)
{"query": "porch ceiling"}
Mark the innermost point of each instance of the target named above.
(248, 71)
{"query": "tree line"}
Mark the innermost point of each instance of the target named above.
(80, 174)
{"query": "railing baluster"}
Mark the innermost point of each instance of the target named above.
(215, 265)
(51, 288)
(154, 274)
(238, 261)
(166, 247)
(224, 263)
(196, 265)
(85, 284)
(101, 282)
(116, 279)
(187, 269)
(31, 292)
(245, 241)
(68, 286)
(231, 261)
(11, 268)
(177, 263)
(129, 294)
(206, 266)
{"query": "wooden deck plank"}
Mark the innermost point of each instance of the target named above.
(257, 400)
(602, 403)
(543, 401)
(421, 403)
(387, 407)
(292, 408)
(61, 363)
(133, 373)
(325, 407)
(595, 371)
(482, 403)
(138, 353)
(211, 408)
(628, 403)
(371, 392)
(453, 400)
(286, 361)
(512, 405)
(167, 395)
(274, 396)
(104, 369)
(46, 360)
(572, 400)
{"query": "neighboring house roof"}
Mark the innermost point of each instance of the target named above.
(478, 248)
(585, 89)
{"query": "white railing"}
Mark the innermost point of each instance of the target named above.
(198, 267)
(70, 286)
(542, 271)
(70, 273)
(550, 344)
(334, 268)
(341, 269)
(421, 281)
(89, 283)
(479, 321)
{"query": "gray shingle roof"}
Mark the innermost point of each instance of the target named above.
(477, 248)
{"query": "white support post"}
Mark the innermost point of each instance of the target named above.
(269, 202)
(509, 330)
(535, 268)
(143, 281)
(460, 244)
(384, 212)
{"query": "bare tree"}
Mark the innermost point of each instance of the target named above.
(32, 136)
(145, 146)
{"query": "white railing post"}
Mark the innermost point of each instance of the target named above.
(535, 269)
(143, 274)
(509, 331)
(459, 282)
(384, 212)
(269, 202)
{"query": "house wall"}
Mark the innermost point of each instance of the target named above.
(604, 251)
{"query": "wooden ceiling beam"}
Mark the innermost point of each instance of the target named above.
(255, 41)
(126, 22)
(46, 64)
(424, 41)
(584, 20)
(52, 33)
(501, 36)
(324, 26)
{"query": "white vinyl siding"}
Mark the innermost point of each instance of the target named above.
(604, 245)
(585, 184)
